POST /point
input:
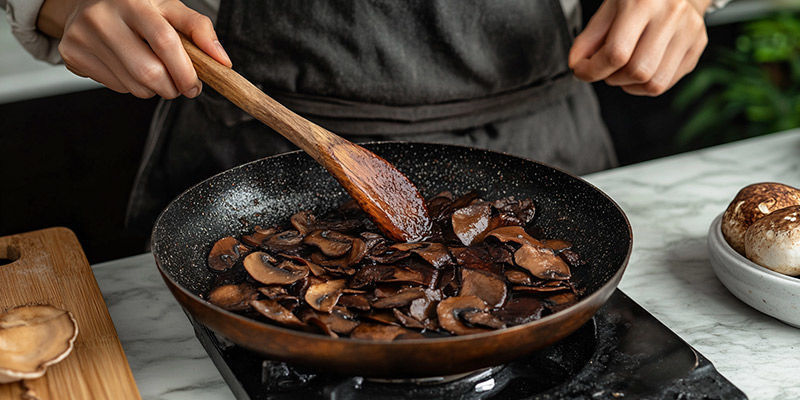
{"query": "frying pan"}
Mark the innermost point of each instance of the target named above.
(268, 191)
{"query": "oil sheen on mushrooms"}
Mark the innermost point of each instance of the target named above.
(484, 267)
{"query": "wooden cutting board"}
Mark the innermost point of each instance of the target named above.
(50, 268)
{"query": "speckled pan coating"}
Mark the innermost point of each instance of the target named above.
(270, 190)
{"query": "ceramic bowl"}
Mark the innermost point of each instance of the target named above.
(765, 290)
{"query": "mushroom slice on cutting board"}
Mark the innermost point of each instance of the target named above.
(32, 338)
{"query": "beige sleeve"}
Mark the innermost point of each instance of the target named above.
(22, 15)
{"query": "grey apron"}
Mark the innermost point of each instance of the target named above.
(486, 73)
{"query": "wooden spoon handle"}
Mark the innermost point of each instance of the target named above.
(236, 88)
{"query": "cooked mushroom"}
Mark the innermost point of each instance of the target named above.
(338, 321)
(407, 321)
(520, 310)
(233, 297)
(355, 301)
(515, 212)
(331, 243)
(471, 223)
(276, 312)
(556, 244)
(752, 203)
(225, 253)
(324, 296)
(434, 253)
(487, 287)
(774, 241)
(541, 262)
(402, 298)
(518, 277)
(304, 221)
(286, 241)
(560, 301)
(259, 236)
(514, 234)
(382, 332)
(475, 258)
(259, 267)
(482, 318)
(315, 269)
(33, 338)
(450, 309)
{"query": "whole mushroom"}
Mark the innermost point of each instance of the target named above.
(751, 204)
(774, 241)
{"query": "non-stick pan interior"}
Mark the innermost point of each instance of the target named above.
(268, 191)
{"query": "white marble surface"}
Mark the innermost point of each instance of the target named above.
(670, 203)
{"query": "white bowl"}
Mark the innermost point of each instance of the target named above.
(765, 290)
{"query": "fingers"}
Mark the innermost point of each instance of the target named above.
(198, 27)
(620, 42)
(647, 47)
(165, 43)
(130, 46)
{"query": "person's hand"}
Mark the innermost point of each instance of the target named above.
(131, 45)
(642, 46)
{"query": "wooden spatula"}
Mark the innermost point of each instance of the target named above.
(383, 192)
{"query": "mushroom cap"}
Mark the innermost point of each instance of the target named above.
(774, 241)
(259, 265)
(751, 204)
(32, 338)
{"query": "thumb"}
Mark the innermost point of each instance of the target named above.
(198, 27)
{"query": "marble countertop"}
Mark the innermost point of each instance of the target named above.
(670, 202)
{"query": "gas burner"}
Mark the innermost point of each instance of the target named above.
(623, 352)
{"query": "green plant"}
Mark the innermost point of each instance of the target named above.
(750, 90)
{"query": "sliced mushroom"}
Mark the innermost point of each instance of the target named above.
(303, 221)
(475, 258)
(276, 312)
(260, 268)
(407, 321)
(286, 241)
(324, 296)
(402, 298)
(273, 292)
(541, 262)
(357, 252)
(315, 269)
(370, 274)
(382, 332)
(487, 287)
(439, 205)
(518, 277)
(435, 254)
(225, 253)
(482, 318)
(233, 297)
(383, 317)
(520, 310)
(514, 234)
(259, 236)
(33, 338)
(338, 321)
(547, 287)
(556, 244)
(561, 301)
(515, 212)
(471, 223)
(330, 243)
(355, 301)
(450, 309)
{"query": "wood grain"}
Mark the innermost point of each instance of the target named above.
(52, 269)
(383, 192)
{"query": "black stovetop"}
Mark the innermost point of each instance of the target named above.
(622, 353)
